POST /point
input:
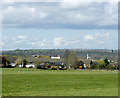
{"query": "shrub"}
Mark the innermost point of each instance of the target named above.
(94, 65)
(110, 67)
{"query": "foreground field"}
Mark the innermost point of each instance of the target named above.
(34, 82)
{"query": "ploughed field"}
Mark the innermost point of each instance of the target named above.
(36, 82)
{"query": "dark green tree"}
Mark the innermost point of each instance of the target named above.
(106, 62)
(73, 60)
(25, 63)
(80, 63)
(94, 65)
(4, 61)
(66, 56)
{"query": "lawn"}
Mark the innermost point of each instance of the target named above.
(35, 82)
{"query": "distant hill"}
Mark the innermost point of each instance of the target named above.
(81, 53)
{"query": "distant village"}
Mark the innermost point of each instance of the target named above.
(56, 62)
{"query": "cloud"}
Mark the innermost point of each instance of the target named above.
(37, 44)
(101, 42)
(73, 5)
(21, 37)
(110, 14)
(88, 37)
(61, 0)
(58, 41)
(72, 15)
(40, 43)
(24, 42)
(102, 38)
(103, 35)
(88, 40)
(71, 42)
(20, 16)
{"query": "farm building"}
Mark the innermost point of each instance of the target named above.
(57, 57)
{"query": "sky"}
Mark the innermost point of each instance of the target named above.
(59, 25)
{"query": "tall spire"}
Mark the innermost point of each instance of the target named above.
(87, 57)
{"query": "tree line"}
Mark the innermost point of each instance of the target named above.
(81, 53)
(70, 59)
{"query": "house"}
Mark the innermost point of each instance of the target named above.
(55, 57)
(56, 65)
(35, 56)
(13, 64)
(41, 66)
(86, 62)
(30, 66)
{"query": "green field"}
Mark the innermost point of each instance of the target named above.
(35, 82)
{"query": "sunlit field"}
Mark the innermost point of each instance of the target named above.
(36, 82)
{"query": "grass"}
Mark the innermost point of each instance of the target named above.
(34, 82)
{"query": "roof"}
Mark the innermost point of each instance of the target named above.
(42, 60)
(85, 61)
(42, 64)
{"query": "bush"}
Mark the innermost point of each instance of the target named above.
(110, 67)
(17, 66)
(80, 65)
(101, 66)
(94, 65)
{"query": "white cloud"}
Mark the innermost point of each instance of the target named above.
(21, 36)
(38, 43)
(63, 13)
(103, 35)
(101, 42)
(88, 13)
(61, 1)
(71, 42)
(15, 16)
(87, 1)
(26, 41)
(18, 41)
(44, 40)
(96, 40)
(88, 37)
(58, 41)
(74, 4)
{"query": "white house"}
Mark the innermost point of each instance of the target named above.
(30, 65)
(13, 64)
(55, 57)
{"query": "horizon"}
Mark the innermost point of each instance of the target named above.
(59, 49)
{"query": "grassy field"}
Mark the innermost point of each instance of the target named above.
(35, 82)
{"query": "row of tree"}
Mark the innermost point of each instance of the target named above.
(71, 59)
(81, 53)
(5, 61)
